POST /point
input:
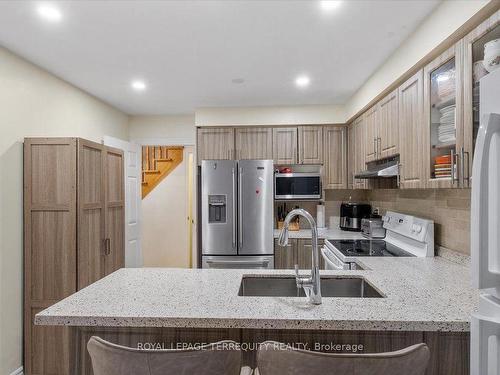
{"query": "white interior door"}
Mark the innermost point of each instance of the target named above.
(133, 199)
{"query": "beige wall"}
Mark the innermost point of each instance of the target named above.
(172, 129)
(164, 236)
(287, 115)
(33, 103)
(444, 21)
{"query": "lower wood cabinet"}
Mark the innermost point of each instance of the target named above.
(298, 251)
(73, 235)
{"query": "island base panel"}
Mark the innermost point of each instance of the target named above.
(449, 350)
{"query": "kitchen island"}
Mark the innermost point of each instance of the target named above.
(423, 300)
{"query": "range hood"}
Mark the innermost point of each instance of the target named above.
(384, 168)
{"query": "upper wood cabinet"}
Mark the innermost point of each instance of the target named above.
(371, 133)
(411, 132)
(381, 128)
(215, 143)
(473, 52)
(285, 145)
(335, 151)
(351, 156)
(360, 143)
(310, 144)
(388, 126)
(443, 119)
(254, 143)
(73, 235)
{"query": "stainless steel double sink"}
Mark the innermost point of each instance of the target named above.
(331, 286)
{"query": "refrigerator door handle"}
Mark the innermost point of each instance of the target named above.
(234, 207)
(485, 265)
(482, 328)
(240, 210)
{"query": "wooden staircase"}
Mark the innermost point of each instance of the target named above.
(157, 163)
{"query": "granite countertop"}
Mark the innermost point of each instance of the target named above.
(421, 294)
(323, 233)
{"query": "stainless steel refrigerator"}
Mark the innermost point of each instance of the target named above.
(237, 213)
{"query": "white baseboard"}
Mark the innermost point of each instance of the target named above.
(19, 371)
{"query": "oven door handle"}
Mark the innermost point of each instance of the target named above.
(328, 261)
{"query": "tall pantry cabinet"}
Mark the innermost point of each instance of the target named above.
(73, 235)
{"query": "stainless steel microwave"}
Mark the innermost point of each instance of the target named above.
(297, 186)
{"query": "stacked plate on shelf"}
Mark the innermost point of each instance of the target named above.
(446, 127)
(442, 166)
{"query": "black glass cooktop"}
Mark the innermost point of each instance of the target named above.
(375, 248)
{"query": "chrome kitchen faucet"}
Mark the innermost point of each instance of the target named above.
(312, 284)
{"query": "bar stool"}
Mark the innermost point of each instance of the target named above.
(275, 358)
(219, 358)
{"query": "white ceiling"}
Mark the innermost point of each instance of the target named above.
(190, 51)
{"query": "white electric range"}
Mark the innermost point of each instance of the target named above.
(406, 236)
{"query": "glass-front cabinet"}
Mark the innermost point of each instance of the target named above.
(481, 56)
(443, 101)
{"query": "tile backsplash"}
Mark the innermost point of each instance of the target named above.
(449, 208)
(333, 200)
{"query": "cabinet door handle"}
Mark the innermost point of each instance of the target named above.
(379, 146)
(465, 167)
(375, 147)
(107, 246)
(400, 183)
(454, 174)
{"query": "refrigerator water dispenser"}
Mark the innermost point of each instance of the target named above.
(216, 209)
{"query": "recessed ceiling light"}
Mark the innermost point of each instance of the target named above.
(329, 5)
(238, 81)
(138, 85)
(49, 12)
(302, 81)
